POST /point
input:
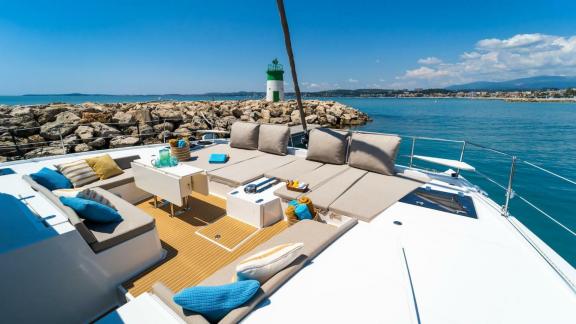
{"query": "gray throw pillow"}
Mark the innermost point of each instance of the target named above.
(374, 152)
(274, 139)
(244, 135)
(327, 145)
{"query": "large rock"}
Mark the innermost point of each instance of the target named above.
(45, 151)
(103, 130)
(123, 141)
(48, 114)
(295, 116)
(123, 118)
(165, 126)
(21, 126)
(98, 143)
(82, 148)
(85, 133)
(65, 123)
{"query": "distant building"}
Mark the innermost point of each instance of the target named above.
(275, 82)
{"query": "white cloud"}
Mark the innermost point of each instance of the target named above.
(495, 59)
(429, 61)
(352, 80)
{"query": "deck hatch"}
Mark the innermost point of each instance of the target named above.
(448, 202)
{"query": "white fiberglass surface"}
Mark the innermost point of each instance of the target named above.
(463, 270)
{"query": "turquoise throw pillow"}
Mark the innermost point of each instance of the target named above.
(51, 179)
(214, 302)
(91, 210)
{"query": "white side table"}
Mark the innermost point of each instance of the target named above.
(173, 184)
(259, 209)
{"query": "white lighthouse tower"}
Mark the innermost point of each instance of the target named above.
(275, 83)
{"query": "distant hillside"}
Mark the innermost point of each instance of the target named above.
(533, 83)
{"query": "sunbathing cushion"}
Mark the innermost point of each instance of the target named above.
(293, 170)
(328, 146)
(374, 152)
(314, 179)
(51, 179)
(274, 139)
(200, 158)
(329, 191)
(78, 172)
(263, 265)
(247, 171)
(244, 135)
(373, 194)
(91, 210)
(104, 166)
(216, 301)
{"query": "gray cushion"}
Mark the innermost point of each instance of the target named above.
(314, 179)
(244, 135)
(274, 139)
(247, 171)
(293, 170)
(328, 146)
(373, 194)
(113, 182)
(374, 152)
(323, 196)
(199, 158)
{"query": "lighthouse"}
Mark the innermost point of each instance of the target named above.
(275, 83)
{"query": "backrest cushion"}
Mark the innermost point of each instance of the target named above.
(265, 264)
(95, 196)
(78, 172)
(51, 179)
(274, 139)
(327, 145)
(244, 135)
(104, 166)
(124, 162)
(374, 152)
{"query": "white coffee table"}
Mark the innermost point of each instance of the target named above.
(173, 184)
(259, 209)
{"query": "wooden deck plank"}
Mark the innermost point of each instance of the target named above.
(192, 258)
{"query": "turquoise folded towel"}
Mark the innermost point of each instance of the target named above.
(293, 203)
(302, 212)
(218, 158)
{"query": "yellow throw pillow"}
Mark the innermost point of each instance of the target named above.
(104, 166)
(264, 265)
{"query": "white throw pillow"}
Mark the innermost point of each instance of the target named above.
(263, 265)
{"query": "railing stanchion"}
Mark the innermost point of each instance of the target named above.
(461, 156)
(138, 132)
(61, 139)
(18, 151)
(509, 190)
(412, 151)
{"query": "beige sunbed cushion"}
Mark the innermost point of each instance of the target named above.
(329, 191)
(247, 171)
(313, 178)
(199, 158)
(327, 145)
(374, 152)
(373, 194)
(244, 135)
(274, 139)
(293, 170)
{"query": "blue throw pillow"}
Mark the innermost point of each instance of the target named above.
(214, 302)
(51, 179)
(91, 210)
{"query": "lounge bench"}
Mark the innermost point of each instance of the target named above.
(315, 236)
(330, 190)
(98, 236)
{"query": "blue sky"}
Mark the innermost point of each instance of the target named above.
(157, 47)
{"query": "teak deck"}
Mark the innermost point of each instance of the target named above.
(192, 258)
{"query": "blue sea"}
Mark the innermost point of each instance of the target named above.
(541, 133)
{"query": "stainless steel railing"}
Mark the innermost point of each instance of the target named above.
(509, 192)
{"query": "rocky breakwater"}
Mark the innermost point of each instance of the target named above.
(40, 130)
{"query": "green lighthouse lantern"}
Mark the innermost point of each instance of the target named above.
(275, 82)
